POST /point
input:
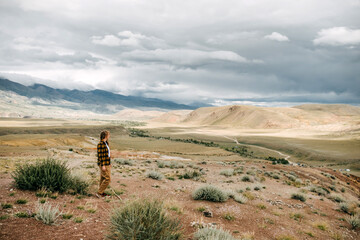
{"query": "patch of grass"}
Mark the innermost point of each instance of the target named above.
(47, 213)
(322, 226)
(298, 196)
(229, 216)
(143, 219)
(285, 237)
(261, 206)
(210, 193)
(78, 219)
(6, 205)
(296, 216)
(42, 201)
(208, 233)
(249, 195)
(21, 201)
(67, 215)
(310, 234)
(3, 217)
(22, 215)
(201, 209)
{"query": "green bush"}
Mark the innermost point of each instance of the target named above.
(145, 220)
(298, 196)
(49, 174)
(210, 193)
(209, 233)
(47, 213)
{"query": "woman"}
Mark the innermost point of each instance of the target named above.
(104, 163)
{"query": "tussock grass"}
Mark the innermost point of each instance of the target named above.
(209, 233)
(145, 220)
(210, 193)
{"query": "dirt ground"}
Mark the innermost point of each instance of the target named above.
(268, 213)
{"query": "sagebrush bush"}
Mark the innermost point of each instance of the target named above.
(298, 196)
(344, 207)
(47, 213)
(227, 172)
(210, 193)
(145, 220)
(240, 198)
(155, 175)
(124, 161)
(191, 175)
(49, 174)
(209, 233)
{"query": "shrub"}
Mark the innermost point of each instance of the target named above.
(354, 221)
(47, 213)
(145, 220)
(79, 184)
(208, 233)
(155, 175)
(191, 175)
(319, 190)
(240, 198)
(124, 161)
(344, 207)
(227, 172)
(48, 174)
(298, 196)
(210, 193)
(336, 198)
(246, 178)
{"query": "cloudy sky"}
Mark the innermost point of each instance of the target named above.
(263, 52)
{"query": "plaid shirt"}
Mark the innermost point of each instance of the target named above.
(103, 154)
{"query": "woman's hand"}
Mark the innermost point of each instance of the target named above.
(103, 168)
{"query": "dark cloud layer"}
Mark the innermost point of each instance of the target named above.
(270, 53)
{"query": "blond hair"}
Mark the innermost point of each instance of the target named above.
(104, 134)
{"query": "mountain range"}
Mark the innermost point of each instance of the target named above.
(98, 101)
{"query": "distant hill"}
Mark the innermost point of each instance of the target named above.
(335, 116)
(98, 101)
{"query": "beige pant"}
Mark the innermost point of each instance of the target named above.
(104, 178)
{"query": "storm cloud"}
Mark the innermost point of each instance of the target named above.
(281, 52)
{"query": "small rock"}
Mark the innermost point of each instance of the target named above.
(208, 213)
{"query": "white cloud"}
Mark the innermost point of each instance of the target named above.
(337, 36)
(277, 37)
(185, 56)
(107, 40)
(128, 39)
